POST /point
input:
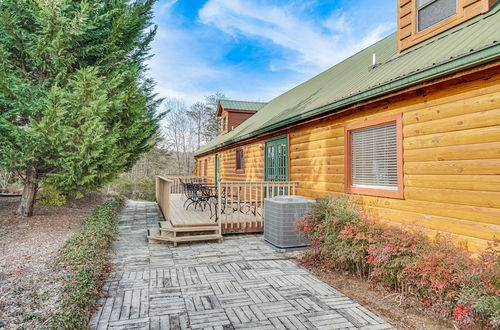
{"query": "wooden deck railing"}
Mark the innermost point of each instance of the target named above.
(163, 191)
(176, 186)
(241, 204)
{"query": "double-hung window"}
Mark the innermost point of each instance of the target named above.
(374, 157)
(431, 12)
(239, 160)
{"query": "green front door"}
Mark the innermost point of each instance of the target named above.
(276, 161)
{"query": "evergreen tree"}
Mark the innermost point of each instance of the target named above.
(76, 109)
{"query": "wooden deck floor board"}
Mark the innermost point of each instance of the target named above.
(180, 217)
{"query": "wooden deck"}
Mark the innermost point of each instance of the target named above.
(241, 207)
(232, 222)
(180, 217)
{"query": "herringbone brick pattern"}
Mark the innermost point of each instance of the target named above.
(240, 283)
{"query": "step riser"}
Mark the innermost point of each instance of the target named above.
(166, 226)
(174, 241)
(165, 230)
(156, 235)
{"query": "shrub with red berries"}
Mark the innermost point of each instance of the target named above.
(447, 279)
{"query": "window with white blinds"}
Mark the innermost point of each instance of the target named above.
(374, 157)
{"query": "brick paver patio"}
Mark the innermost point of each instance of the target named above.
(240, 283)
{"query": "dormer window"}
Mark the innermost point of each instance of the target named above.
(419, 20)
(431, 12)
(223, 126)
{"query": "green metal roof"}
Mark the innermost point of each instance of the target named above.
(470, 43)
(241, 105)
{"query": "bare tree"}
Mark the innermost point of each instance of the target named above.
(211, 128)
(159, 160)
(186, 129)
(198, 114)
(179, 133)
(4, 179)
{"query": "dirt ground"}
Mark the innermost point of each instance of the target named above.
(28, 283)
(401, 313)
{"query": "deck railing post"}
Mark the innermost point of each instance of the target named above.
(219, 205)
(157, 186)
(163, 192)
(166, 213)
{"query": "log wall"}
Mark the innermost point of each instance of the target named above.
(210, 165)
(253, 164)
(451, 159)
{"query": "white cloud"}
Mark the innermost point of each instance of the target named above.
(337, 23)
(177, 66)
(184, 66)
(314, 48)
(162, 9)
(190, 59)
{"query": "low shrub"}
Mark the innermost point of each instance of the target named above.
(444, 277)
(49, 195)
(84, 259)
(141, 189)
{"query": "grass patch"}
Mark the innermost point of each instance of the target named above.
(84, 259)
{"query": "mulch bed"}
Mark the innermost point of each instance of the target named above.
(29, 285)
(401, 312)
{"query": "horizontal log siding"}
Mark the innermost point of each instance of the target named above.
(253, 164)
(210, 163)
(451, 160)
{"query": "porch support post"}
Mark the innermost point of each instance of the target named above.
(219, 205)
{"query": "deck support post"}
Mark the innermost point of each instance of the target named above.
(219, 206)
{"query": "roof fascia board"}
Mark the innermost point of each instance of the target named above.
(240, 110)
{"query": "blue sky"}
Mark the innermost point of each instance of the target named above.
(255, 49)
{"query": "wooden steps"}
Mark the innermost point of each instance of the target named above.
(167, 233)
(167, 226)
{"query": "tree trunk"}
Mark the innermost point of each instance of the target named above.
(25, 209)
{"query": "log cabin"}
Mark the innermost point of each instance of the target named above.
(409, 126)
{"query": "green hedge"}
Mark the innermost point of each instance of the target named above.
(85, 260)
(447, 279)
